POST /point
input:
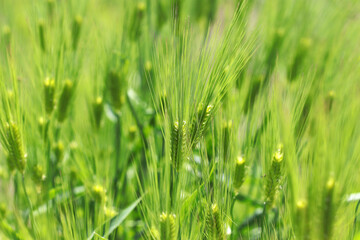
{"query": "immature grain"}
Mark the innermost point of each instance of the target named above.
(49, 95)
(178, 144)
(65, 99)
(15, 147)
(273, 176)
(200, 123)
(97, 110)
(76, 29)
(239, 175)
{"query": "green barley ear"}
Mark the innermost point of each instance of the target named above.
(329, 100)
(239, 175)
(41, 29)
(49, 95)
(154, 234)
(209, 232)
(167, 227)
(302, 227)
(274, 175)
(115, 87)
(178, 144)
(218, 222)
(98, 109)
(50, 8)
(10, 163)
(164, 229)
(76, 29)
(41, 125)
(59, 151)
(132, 133)
(274, 50)
(301, 52)
(200, 123)
(172, 227)
(98, 193)
(227, 126)
(64, 100)
(37, 174)
(136, 21)
(15, 147)
(6, 35)
(328, 209)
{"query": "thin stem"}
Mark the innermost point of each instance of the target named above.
(138, 123)
(32, 219)
(117, 145)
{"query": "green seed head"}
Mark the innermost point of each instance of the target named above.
(274, 176)
(38, 175)
(115, 86)
(65, 99)
(328, 209)
(59, 151)
(98, 109)
(6, 35)
(227, 126)
(178, 144)
(49, 95)
(200, 123)
(167, 226)
(76, 29)
(15, 147)
(218, 221)
(239, 172)
(154, 233)
(50, 6)
(41, 29)
(330, 100)
(132, 132)
(136, 21)
(98, 193)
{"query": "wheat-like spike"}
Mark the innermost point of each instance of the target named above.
(37, 174)
(76, 29)
(303, 48)
(98, 193)
(98, 109)
(164, 229)
(49, 95)
(226, 139)
(273, 176)
(137, 17)
(59, 151)
(328, 210)
(302, 228)
(114, 85)
(209, 225)
(41, 27)
(239, 172)
(154, 233)
(200, 123)
(178, 144)
(218, 222)
(15, 147)
(6, 35)
(64, 100)
(172, 226)
(50, 8)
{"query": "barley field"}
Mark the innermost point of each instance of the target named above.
(179, 119)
